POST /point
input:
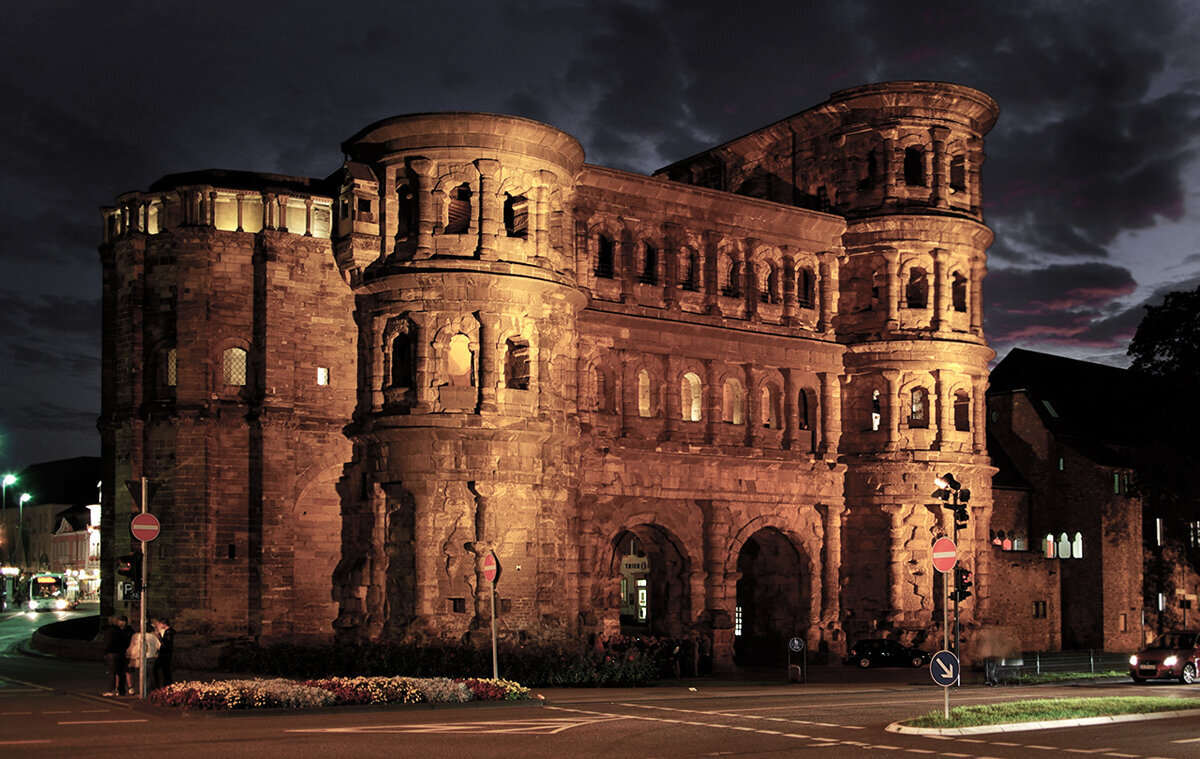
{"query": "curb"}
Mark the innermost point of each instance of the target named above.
(1014, 727)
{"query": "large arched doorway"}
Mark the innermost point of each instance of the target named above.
(772, 599)
(654, 588)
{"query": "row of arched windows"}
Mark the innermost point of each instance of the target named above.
(919, 410)
(1063, 547)
(915, 169)
(458, 360)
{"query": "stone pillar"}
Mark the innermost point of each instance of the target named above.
(941, 168)
(791, 421)
(376, 600)
(308, 216)
(754, 407)
(890, 161)
(900, 514)
(424, 372)
(670, 253)
(210, 215)
(629, 396)
(627, 251)
(974, 158)
(712, 401)
(427, 209)
(672, 398)
(893, 288)
(491, 210)
(893, 407)
(283, 204)
(268, 201)
(788, 275)
(941, 409)
(975, 304)
(488, 369)
(827, 292)
(539, 222)
(832, 516)
(831, 415)
(939, 289)
(750, 278)
(711, 274)
(979, 414)
(240, 198)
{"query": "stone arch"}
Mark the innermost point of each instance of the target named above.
(468, 326)
(774, 592)
(653, 386)
(731, 275)
(523, 335)
(317, 547)
(910, 414)
(443, 196)
(689, 401)
(730, 380)
(769, 392)
(605, 250)
(665, 579)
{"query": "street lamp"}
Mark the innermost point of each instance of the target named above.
(21, 526)
(9, 479)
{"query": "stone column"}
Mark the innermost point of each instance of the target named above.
(754, 408)
(750, 278)
(978, 272)
(827, 292)
(831, 415)
(979, 412)
(426, 394)
(893, 288)
(210, 215)
(940, 408)
(672, 398)
(427, 209)
(670, 252)
(376, 600)
(939, 289)
(788, 275)
(488, 370)
(308, 216)
(627, 251)
(974, 158)
(283, 203)
(539, 222)
(791, 421)
(888, 133)
(832, 516)
(240, 197)
(941, 168)
(893, 407)
(712, 401)
(711, 279)
(490, 209)
(900, 515)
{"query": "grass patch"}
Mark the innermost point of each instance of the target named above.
(1037, 678)
(1046, 709)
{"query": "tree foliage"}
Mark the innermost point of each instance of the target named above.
(1167, 343)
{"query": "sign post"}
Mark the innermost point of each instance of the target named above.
(945, 556)
(491, 570)
(796, 646)
(144, 527)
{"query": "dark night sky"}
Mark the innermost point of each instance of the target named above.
(1091, 183)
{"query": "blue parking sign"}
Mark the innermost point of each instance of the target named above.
(944, 668)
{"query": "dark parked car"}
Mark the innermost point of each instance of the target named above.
(1172, 656)
(885, 653)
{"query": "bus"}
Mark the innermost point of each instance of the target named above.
(46, 591)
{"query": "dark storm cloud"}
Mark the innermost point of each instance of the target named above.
(1068, 303)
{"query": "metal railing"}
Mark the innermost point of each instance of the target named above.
(1013, 669)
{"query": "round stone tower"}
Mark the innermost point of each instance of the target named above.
(910, 314)
(452, 232)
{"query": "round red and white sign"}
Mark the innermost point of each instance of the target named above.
(491, 567)
(945, 554)
(144, 527)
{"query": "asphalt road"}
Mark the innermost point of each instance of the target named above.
(50, 708)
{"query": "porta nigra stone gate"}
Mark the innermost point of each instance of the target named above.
(707, 404)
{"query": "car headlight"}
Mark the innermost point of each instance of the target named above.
(32, 605)
(1133, 660)
(60, 604)
(1170, 661)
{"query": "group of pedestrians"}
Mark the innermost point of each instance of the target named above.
(123, 646)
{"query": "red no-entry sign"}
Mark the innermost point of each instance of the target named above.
(490, 567)
(144, 527)
(945, 554)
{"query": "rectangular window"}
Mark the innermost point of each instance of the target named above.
(1039, 609)
(1062, 464)
(1162, 603)
(172, 372)
(1194, 534)
(737, 620)
(322, 375)
(458, 605)
(1117, 483)
(1124, 623)
(1158, 531)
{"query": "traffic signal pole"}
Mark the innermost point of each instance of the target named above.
(142, 597)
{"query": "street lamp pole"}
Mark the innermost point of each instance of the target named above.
(8, 479)
(21, 527)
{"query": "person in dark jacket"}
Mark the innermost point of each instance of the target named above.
(116, 640)
(162, 665)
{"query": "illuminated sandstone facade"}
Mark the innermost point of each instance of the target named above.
(706, 403)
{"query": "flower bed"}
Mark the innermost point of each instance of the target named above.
(333, 691)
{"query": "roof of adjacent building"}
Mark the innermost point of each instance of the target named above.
(70, 482)
(1103, 412)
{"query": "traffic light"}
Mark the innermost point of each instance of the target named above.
(961, 517)
(962, 584)
(130, 565)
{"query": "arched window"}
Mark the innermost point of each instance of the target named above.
(733, 402)
(691, 397)
(689, 270)
(958, 174)
(460, 362)
(916, 293)
(600, 390)
(404, 360)
(731, 286)
(1064, 546)
(406, 212)
(958, 292)
(806, 288)
(605, 259)
(918, 416)
(1077, 546)
(516, 363)
(649, 275)
(768, 284)
(876, 411)
(458, 213)
(516, 215)
(769, 399)
(804, 420)
(644, 401)
(914, 167)
(962, 411)
(170, 374)
(1048, 547)
(233, 366)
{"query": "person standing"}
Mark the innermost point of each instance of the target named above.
(116, 643)
(166, 648)
(137, 641)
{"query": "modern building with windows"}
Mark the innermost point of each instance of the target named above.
(706, 403)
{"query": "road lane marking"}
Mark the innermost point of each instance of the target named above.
(735, 715)
(102, 721)
(23, 743)
(544, 726)
(1187, 740)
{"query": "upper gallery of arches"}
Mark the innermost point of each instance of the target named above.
(895, 147)
(457, 185)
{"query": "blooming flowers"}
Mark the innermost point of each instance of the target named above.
(333, 691)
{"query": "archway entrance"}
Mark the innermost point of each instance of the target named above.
(772, 600)
(654, 588)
